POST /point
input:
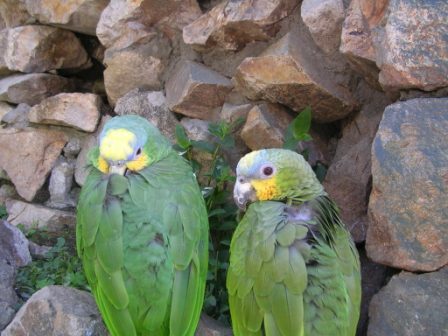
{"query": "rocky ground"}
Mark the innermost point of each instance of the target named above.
(375, 74)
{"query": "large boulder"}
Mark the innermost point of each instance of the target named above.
(232, 24)
(8, 297)
(32, 88)
(78, 15)
(408, 205)
(77, 110)
(13, 13)
(28, 156)
(57, 310)
(411, 305)
(13, 245)
(295, 76)
(44, 48)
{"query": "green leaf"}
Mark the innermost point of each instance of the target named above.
(181, 137)
(216, 212)
(302, 123)
(320, 170)
(204, 146)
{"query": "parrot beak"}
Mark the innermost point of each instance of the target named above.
(243, 192)
(117, 168)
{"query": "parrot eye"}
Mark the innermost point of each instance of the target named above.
(267, 170)
(139, 151)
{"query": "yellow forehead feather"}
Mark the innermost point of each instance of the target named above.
(117, 144)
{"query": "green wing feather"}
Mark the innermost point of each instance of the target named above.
(302, 274)
(143, 240)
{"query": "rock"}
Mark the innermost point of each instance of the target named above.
(32, 88)
(8, 297)
(14, 13)
(138, 66)
(77, 110)
(57, 310)
(407, 209)
(210, 327)
(324, 20)
(411, 45)
(17, 117)
(38, 251)
(265, 126)
(28, 156)
(411, 305)
(61, 181)
(33, 216)
(152, 106)
(72, 148)
(289, 74)
(232, 24)
(363, 16)
(348, 179)
(7, 191)
(4, 109)
(13, 246)
(4, 71)
(80, 16)
(232, 112)
(124, 22)
(195, 90)
(81, 167)
(44, 48)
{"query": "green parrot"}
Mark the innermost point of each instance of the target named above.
(294, 269)
(142, 232)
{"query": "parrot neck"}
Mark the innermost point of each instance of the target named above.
(306, 192)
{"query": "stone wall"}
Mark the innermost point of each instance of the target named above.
(375, 74)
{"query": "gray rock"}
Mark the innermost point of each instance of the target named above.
(324, 20)
(408, 215)
(17, 117)
(72, 148)
(57, 310)
(32, 88)
(4, 109)
(210, 327)
(33, 216)
(13, 245)
(38, 251)
(195, 90)
(411, 305)
(152, 106)
(61, 181)
(8, 297)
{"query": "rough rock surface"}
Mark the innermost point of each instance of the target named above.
(4, 109)
(152, 106)
(77, 110)
(357, 37)
(57, 310)
(210, 327)
(33, 216)
(124, 22)
(408, 214)
(17, 117)
(348, 178)
(233, 24)
(3, 43)
(8, 297)
(32, 88)
(286, 74)
(265, 126)
(44, 48)
(411, 305)
(195, 90)
(324, 20)
(412, 45)
(138, 66)
(61, 181)
(13, 245)
(28, 156)
(14, 13)
(78, 15)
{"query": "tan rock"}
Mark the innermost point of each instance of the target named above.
(122, 23)
(324, 20)
(408, 215)
(357, 37)
(14, 13)
(28, 156)
(411, 45)
(232, 24)
(138, 66)
(234, 112)
(44, 48)
(195, 90)
(32, 88)
(57, 310)
(33, 216)
(77, 110)
(265, 126)
(152, 106)
(78, 15)
(289, 74)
